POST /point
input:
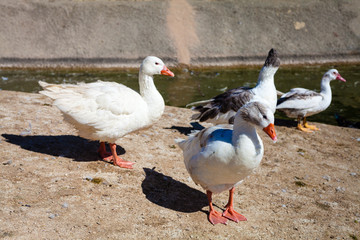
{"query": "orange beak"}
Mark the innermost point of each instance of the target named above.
(270, 130)
(167, 72)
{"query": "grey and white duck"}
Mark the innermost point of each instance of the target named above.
(301, 103)
(222, 108)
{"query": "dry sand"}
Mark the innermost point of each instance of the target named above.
(53, 185)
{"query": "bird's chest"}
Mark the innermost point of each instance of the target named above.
(248, 153)
(320, 106)
(235, 161)
(155, 107)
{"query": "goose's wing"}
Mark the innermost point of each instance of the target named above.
(299, 98)
(201, 144)
(94, 102)
(224, 104)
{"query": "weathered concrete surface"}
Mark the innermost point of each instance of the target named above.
(106, 33)
(306, 188)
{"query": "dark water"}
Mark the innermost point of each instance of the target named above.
(199, 84)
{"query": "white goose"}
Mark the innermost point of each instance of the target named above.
(106, 111)
(300, 102)
(222, 108)
(218, 158)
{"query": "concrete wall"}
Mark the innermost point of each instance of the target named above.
(196, 32)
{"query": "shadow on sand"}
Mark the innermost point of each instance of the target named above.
(169, 193)
(285, 123)
(188, 130)
(77, 148)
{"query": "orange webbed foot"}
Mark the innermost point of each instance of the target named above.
(123, 164)
(119, 162)
(113, 157)
(216, 217)
(312, 127)
(108, 157)
(231, 214)
(300, 127)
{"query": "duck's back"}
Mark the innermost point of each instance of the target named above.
(301, 102)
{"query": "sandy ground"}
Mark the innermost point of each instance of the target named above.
(53, 185)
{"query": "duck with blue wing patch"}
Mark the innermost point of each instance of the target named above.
(220, 157)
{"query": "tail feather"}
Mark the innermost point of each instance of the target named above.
(56, 91)
(55, 87)
(180, 142)
(198, 103)
(279, 93)
(43, 84)
(209, 113)
(195, 116)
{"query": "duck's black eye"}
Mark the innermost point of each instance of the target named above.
(264, 116)
(156, 63)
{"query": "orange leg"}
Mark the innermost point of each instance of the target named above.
(229, 212)
(300, 127)
(102, 151)
(113, 157)
(214, 216)
(312, 127)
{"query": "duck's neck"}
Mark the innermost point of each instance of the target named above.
(266, 77)
(325, 87)
(151, 95)
(245, 133)
(265, 86)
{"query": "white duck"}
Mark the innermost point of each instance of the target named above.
(222, 108)
(218, 158)
(300, 102)
(106, 111)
